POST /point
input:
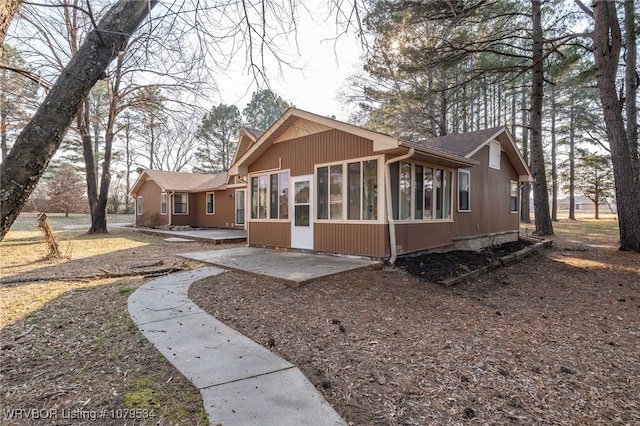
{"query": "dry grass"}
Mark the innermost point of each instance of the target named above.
(70, 346)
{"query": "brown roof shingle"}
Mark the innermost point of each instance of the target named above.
(461, 144)
(187, 182)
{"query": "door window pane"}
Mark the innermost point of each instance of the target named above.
(302, 215)
(301, 204)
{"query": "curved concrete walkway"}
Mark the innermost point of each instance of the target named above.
(241, 382)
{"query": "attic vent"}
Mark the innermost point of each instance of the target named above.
(494, 155)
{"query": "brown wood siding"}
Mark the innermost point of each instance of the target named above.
(270, 234)
(412, 237)
(360, 239)
(489, 196)
(150, 193)
(300, 155)
(225, 213)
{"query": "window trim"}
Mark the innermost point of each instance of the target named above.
(163, 204)
(468, 173)
(515, 183)
(139, 206)
(249, 196)
(213, 203)
(412, 208)
(173, 204)
(381, 215)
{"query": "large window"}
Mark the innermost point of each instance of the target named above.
(211, 202)
(464, 179)
(420, 192)
(163, 203)
(180, 203)
(348, 190)
(270, 196)
(513, 196)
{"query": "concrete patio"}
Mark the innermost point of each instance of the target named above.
(294, 268)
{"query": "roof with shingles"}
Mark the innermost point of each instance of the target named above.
(186, 182)
(461, 144)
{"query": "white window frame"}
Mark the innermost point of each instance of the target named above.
(163, 204)
(412, 208)
(468, 173)
(249, 196)
(213, 203)
(173, 204)
(139, 206)
(345, 198)
(513, 183)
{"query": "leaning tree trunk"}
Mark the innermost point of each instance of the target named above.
(540, 189)
(607, 42)
(42, 136)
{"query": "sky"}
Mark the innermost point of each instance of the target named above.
(324, 64)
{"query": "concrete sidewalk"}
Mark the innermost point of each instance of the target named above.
(241, 382)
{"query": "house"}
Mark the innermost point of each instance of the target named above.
(313, 183)
(199, 200)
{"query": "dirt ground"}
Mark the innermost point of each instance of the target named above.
(552, 340)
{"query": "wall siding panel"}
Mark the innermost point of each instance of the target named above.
(359, 239)
(412, 237)
(270, 234)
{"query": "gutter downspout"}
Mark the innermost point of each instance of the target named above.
(170, 206)
(392, 223)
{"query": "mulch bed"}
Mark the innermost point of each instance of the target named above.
(435, 267)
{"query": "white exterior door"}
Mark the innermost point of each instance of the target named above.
(302, 208)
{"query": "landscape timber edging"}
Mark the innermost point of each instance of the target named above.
(507, 260)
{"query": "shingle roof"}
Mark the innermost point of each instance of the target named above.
(461, 144)
(254, 132)
(186, 182)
